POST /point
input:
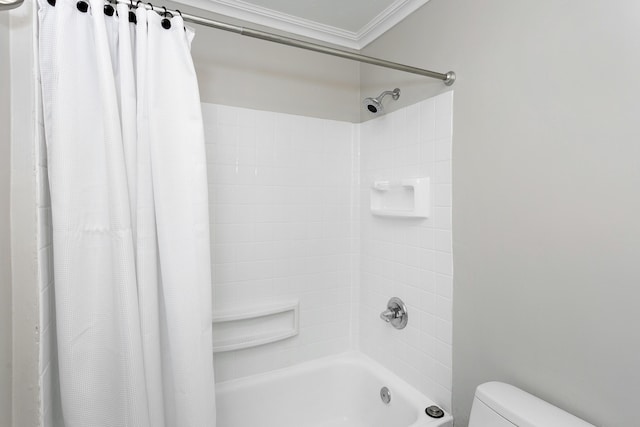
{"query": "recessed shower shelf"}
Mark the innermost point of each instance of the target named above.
(254, 326)
(404, 198)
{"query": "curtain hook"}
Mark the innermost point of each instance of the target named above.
(108, 9)
(132, 16)
(180, 13)
(166, 23)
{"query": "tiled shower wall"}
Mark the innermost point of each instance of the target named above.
(408, 257)
(290, 219)
(282, 228)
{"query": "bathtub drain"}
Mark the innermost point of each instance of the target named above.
(434, 412)
(385, 395)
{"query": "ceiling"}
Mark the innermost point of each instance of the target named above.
(348, 23)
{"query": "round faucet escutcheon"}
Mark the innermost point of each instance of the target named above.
(396, 313)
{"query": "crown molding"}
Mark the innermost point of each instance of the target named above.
(259, 15)
(387, 19)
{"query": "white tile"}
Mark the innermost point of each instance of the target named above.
(427, 281)
(428, 346)
(209, 113)
(428, 324)
(428, 119)
(444, 285)
(443, 240)
(427, 259)
(442, 375)
(443, 331)
(426, 238)
(443, 308)
(428, 301)
(443, 263)
(444, 127)
(442, 173)
(442, 217)
(442, 149)
(428, 152)
(223, 134)
(444, 104)
(442, 353)
(227, 115)
(291, 219)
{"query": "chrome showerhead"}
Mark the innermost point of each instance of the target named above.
(374, 105)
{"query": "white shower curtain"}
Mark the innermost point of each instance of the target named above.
(127, 173)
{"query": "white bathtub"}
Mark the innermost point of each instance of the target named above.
(337, 391)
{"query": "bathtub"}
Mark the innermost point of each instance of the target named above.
(337, 391)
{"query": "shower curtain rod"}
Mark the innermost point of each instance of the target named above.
(448, 78)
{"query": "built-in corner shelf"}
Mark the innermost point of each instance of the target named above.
(404, 198)
(254, 326)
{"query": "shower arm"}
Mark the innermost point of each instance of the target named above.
(448, 78)
(395, 94)
(10, 4)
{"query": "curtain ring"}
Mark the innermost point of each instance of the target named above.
(138, 2)
(179, 13)
(132, 16)
(166, 23)
(108, 9)
(150, 6)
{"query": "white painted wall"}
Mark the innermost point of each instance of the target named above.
(26, 408)
(243, 72)
(409, 258)
(5, 233)
(546, 174)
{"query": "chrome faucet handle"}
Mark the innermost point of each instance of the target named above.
(396, 313)
(387, 315)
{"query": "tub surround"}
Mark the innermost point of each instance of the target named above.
(291, 221)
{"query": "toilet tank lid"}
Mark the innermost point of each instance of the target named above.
(524, 409)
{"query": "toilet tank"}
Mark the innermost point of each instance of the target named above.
(498, 404)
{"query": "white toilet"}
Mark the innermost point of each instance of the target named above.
(502, 405)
